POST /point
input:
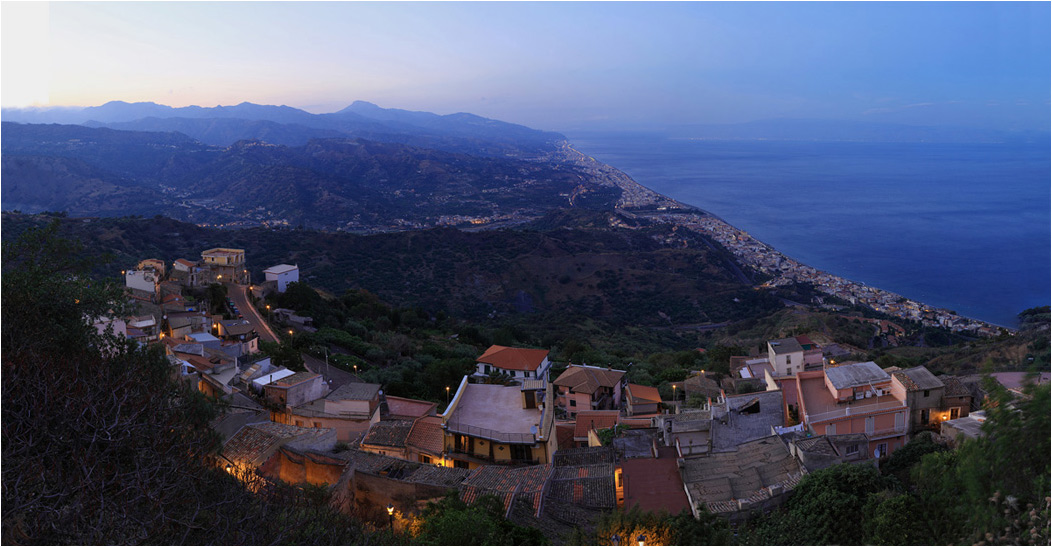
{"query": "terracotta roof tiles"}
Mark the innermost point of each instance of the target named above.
(513, 358)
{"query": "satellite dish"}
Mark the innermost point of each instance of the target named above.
(876, 452)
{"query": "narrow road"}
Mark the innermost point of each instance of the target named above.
(239, 294)
(334, 377)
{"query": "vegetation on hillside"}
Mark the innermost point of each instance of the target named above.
(101, 445)
(993, 490)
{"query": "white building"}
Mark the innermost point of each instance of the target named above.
(143, 280)
(282, 274)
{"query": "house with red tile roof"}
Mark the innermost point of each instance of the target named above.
(582, 387)
(388, 438)
(589, 422)
(515, 362)
(641, 400)
(424, 443)
(409, 409)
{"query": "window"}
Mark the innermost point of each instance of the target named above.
(925, 416)
(299, 423)
(955, 413)
(882, 450)
(851, 449)
(927, 392)
(487, 369)
(573, 402)
(425, 458)
(317, 425)
(831, 429)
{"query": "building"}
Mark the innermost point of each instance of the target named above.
(282, 275)
(238, 336)
(295, 390)
(590, 422)
(855, 398)
(582, 387)
(923, 393)
(155, 264)
(515, 362)
(227, 264)
(388, 438)
(425, 440)
(786, 356)
(756, 475)
(349, 409)
(142, 280)
(641, 400)
(489, 423)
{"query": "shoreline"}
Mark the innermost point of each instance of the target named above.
(751, 252)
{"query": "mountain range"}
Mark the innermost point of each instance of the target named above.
(362, 169)
(225, 125)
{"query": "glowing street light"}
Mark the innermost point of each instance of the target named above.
(642, 540)
(390, 515)
(447, 395)
(673, 392)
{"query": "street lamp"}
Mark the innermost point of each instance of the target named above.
(390, 515)
(642, 540)
(673, 392)
(447, 396)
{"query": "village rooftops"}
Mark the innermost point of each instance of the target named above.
(388, 433)
(918, 378)
(495, 412)
(786, 345)
(727, 482)
(426, 434)
(297, 378)
(643, 394)
(185, 263)
(856, 375)
(585, 379)
(588, 420)
(354, 391)
(279, 269)
(409, 408)
(513, 358)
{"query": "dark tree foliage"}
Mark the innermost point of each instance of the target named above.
(625, 526)
(826, 508)
(101, 445)
(451, 521)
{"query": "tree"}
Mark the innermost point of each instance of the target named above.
(824, 508)
(451, 521)
(101, 444)
(283, 354)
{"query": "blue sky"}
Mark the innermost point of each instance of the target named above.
(553, 65)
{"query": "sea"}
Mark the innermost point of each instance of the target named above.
(964, 227)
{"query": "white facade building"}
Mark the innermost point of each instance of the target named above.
(283, 274)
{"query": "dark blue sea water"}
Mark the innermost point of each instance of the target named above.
(959, 226)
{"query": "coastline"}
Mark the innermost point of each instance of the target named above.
(756, 254)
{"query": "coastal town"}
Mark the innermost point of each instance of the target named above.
(752, 253)
(559, 444)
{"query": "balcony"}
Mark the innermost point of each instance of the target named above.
(886, 432)
(491, 435)
(848, 410)
(465, 455)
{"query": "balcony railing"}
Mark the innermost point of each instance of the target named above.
(887, 432)
(855, 410)
(490, 434)
(479, 458)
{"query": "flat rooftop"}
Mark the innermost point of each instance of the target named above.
(856, 374)
(785, 345)
(818, 401)
(494, 409)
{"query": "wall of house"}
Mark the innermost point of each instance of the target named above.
(305, 392)
(347, 429)
(779, 362)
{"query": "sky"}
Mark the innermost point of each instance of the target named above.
(550, 65)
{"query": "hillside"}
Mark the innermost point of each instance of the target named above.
(577, 265)
(344, 184)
